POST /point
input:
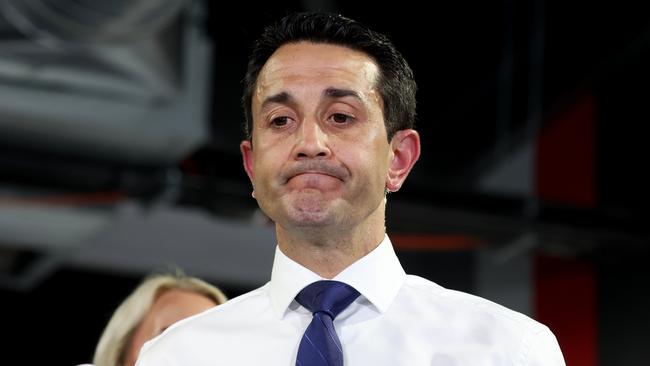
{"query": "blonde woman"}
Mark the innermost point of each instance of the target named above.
(158, 302)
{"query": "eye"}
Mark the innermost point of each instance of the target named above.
(341, 118)
(279, 121)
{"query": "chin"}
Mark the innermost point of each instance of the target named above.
(309, 211)
(314, 218)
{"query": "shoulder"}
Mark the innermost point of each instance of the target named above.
(206, 327)
(467, 317)
(243, 304)
(464, 304)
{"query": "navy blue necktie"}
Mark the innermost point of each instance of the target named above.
(320, 346)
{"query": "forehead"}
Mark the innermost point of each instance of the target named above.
(305, 65)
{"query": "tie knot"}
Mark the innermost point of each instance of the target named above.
(329, 297)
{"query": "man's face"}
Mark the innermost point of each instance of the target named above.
(319, 154)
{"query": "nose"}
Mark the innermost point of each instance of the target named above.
(311, 141)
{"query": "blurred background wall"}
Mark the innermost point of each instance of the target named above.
(119, 132)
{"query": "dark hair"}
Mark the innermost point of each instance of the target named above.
(396, 84)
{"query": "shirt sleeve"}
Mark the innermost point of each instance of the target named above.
(150, 356)
(544, 350)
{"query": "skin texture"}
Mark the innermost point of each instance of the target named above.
(319, 158)
(170, 307)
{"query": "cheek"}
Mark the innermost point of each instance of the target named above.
(364, 158)
(268, 161)
(140, 336)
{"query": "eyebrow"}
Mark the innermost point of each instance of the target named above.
(332, 93)
(341, 93)
(280, 98)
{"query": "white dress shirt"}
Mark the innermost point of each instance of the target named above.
(399, 319)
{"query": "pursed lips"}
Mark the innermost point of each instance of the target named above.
(316, 172)
(314, 176)
(318, 168)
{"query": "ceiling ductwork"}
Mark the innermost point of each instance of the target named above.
(89, 21)
(118, 80)
(90, 91)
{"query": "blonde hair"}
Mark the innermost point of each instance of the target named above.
(113, 342)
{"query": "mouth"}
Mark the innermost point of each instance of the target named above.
(315, 169)
(315, 173)
(313, 180)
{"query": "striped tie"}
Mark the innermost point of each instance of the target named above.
(320, 346)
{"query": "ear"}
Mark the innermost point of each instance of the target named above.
(246, 148)
(405, 148)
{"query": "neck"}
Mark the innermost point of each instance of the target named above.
(328, 251)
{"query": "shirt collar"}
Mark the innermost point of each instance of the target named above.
(378, 276)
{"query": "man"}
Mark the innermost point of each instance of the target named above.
(329, 108)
